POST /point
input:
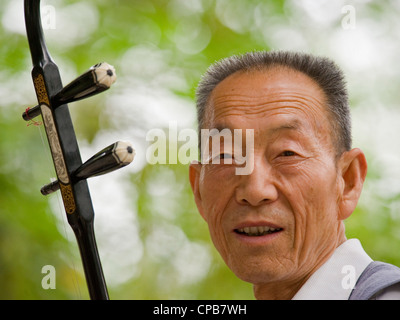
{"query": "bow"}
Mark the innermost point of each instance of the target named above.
(71, 173)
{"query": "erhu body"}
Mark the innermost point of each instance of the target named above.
(53, 101)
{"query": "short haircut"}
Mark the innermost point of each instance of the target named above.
(322, 70)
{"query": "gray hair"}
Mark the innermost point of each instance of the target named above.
(322, 70)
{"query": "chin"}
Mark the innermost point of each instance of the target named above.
(258, 272)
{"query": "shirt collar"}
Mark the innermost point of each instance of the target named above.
(334, 279)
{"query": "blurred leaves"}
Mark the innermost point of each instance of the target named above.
(152, 241)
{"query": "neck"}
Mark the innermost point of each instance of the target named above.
(285, 290)
(276, 291)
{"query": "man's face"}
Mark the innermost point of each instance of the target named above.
(280, 221)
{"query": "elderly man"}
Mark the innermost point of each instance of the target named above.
(280, 227)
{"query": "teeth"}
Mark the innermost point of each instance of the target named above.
(257, 231)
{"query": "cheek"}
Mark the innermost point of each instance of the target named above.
(313, 198)
(313, 187)
(216, 189)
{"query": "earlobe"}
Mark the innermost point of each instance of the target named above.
(194, 178)
(353, 166)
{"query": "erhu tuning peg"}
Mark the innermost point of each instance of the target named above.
(97, 79)
(115, 156)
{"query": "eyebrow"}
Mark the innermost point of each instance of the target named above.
(221, 127)
(293, 125)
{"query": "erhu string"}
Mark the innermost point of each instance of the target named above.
(60, 210)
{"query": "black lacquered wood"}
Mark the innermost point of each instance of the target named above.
(104, 161)
(84, 86)
(65, 151)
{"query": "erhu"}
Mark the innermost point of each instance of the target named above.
(71, 172)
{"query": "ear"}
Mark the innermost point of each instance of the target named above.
(194, 178)
(353, 170)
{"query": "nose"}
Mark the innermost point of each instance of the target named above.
(258, 187)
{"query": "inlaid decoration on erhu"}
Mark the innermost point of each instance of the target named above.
(40, 88)
(68, 198)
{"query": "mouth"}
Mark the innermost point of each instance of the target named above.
(257, 231)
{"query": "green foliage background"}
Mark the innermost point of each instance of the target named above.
(152, 241)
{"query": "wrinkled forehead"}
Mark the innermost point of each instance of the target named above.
(254, 91)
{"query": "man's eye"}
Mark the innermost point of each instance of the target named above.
(288, 153)
(225, 156)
